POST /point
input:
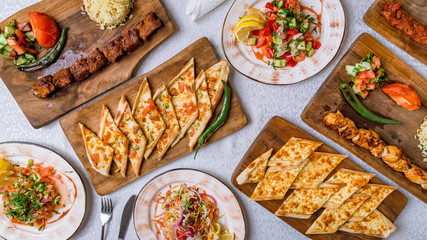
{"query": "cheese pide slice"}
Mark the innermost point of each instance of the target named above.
(319, 166)
(214, 75)
(276, 183)
(182, 91)
(351, 181)
(294, 152)
(331, 219)
(162, 99)
(129, 127)
(99, 153)
(111, 134)
(302, 203)
(256, 169)
(375, 224)
(148, 117)
(378, 193)
(205, 110)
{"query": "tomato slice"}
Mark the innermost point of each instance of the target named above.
(267, 51)
(292, 63)
(367, 74)
(404, 95)
(376, 62)
(269, 5)
(308, 38)
(316, 44)
(45, 29)
(292, 31)
(260, 42)
(371, 86)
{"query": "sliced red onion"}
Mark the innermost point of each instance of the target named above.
(196, 192)
(281, 35)
(211, 198)
(175, 224)
(297, 35)
(174, 233)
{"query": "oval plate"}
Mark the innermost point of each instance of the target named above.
(228, 205)
(244, 61)
(64, 228)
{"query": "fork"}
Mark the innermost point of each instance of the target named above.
(106, 210)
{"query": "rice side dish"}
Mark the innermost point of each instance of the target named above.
(422, 137)
(108, 13)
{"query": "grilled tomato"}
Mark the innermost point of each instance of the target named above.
(45, 29)
(404, 95)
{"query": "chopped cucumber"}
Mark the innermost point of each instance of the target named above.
(282, 13)
(292, 23)
(279, 63)
(280, 4)
(292, 44)
(30, 57)
(310, 52)
(9, 30)
(3, 41)
(4, 52)
(365, 65)
(12, 23)
(277, 40)
(20, 60)
(309, 45)
(8, 48)
(301, 45)
(350, 70)
(30, 35)
(251, 41)
(304, 26)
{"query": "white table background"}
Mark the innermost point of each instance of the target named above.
(260, 102)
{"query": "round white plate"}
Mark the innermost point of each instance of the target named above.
(227, 203)
(242, 58)
(73, 193)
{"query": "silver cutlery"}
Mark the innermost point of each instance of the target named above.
(106, 212)
(126, 215)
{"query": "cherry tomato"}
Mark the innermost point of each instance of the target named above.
(45, 29)
(300, 57)
(404, 95)
(316, 44)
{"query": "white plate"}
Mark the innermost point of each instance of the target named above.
(74, 191)
(227, 203)
(243, 59)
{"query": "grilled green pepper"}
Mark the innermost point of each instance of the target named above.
(219, 121)
(354, 102)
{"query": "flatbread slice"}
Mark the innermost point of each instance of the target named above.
(162, 99)
(214, 75)
(319, 166)
(351, 180)
(184, 100)
(129, 127)
(294, 152)
(375, 224)
(302, 203)
(377, 193)
(99, 153)
(256, 169)
(111, 134)
(275, 183)
(205, 110)
(148, 117)
(331, 219)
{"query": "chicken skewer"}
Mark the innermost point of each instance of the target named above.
(393, 156)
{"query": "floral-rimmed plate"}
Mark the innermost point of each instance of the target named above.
(243, 59)
(73, 194)
(232, 216)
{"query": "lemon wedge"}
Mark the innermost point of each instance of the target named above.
(250, 18)
(6, 173)
(245, 28)
(228, 236)
(257, 13)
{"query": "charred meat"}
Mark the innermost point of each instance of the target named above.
(43, 87)
(96, 60)
(62, 78)
(131, 40)
(150, 24)
(113, 49)
(80, 70)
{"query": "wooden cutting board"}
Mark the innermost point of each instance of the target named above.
(329, 99)
(90, 114)
(416, 8)
(83, 36)
(274, 135)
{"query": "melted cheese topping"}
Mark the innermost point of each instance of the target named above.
(320, 165)
(100, 154)
(214, 75)
(256, 169)
(375, 224)
(351, 181)
(377, 193)
(164, 104)
(133, 132)
(305, 202)
(295, 151)
(331, 219)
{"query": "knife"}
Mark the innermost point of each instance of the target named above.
(126, 215)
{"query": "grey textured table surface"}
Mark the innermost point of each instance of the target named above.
(260, 102)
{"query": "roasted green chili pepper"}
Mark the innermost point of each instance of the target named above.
(48, 58)
(219, 121)
(354, 102)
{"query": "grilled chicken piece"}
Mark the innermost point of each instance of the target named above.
(131, 40)
(96, 60)
(378, 149)
(150, 24)
(416, 174)
(335, 120)
(62, 78)
(80, 70)
(400, 165)
(391, 153)
(43, 87)
(349, 131)
(113, 49)
(367, 139)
